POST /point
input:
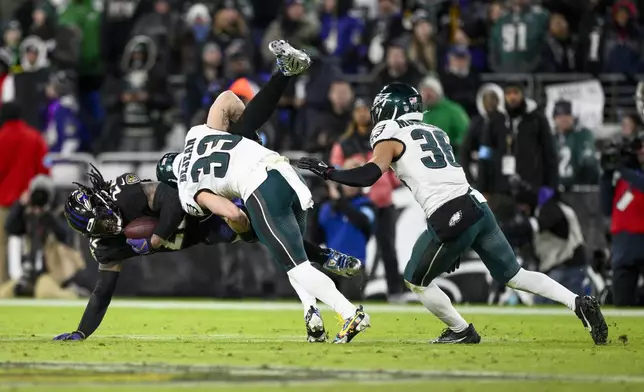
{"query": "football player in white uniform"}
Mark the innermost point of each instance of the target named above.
(458, 216)
(217, 166)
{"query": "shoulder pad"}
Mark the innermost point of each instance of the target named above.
(384, 130)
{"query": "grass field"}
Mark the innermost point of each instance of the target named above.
(251, 346)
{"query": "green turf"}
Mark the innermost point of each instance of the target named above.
(554, 352)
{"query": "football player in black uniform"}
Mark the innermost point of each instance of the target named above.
(101, 211)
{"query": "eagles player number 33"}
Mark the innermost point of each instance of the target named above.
(215, 163)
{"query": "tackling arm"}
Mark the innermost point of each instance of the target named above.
(225, 208)
(383, 154)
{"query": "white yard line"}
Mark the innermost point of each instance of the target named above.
(279, 306)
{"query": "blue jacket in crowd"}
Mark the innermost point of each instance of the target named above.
(64, 131)
(347, 224)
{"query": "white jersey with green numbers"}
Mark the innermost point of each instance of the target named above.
(427, 165)
(224, 164)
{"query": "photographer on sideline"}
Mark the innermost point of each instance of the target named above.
(49, 264)
(554, 232)
(622, 198)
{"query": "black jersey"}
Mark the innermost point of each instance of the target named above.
(132, 202)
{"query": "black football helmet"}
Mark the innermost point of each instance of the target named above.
(394, 100)
(92, 211)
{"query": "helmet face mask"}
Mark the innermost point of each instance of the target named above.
(395, 100)
(92, 214)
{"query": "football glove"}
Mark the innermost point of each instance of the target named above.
(316, 166)
(76, 335)
(140, 246)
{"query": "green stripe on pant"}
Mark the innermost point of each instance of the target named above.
(278, 220)
(430, 257)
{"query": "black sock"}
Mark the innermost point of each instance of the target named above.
(261, 107)
(315, 253)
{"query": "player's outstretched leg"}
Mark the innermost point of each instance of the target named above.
(312, 319)
(430, 258)
(272, 213)
(586, 308)
(499, 258)
(290, 61)
(333, 261)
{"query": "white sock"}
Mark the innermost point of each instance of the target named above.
(307, 299)
(438, 303)
(543, 285)
(322, 287)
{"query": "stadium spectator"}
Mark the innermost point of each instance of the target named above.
(200, 22)
(559, 55)
(244, 7)
(384, 29)
(342, 35)
(488, 141)
(138, 100)
(623, 40)
(118, 20)
(26, 84)
(330, 125)
(443, 112)
(44, 23)
(533, 145)
(238, 62)
(460, 82)
(592, 33)
(229, 26)
(623, 201)
(422, 50)
(49, 263)
(630, 126)
(22, 157)
(354, 145)
(517, 38)
(347, 221)
(171, 36)
(555, 234)
(397, 68)
(293, 25)
(64, 131)
(204, 85)
(577, 162)
(12, 37)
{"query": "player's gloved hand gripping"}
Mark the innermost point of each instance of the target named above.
(141, 246)
(76, 335)
(316, 166)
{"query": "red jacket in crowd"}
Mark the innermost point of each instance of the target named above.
(22, 157)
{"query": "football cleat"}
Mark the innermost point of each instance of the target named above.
(469, 336)
(353, 326)
(290, 61)
(315, 326)
(341, 264)
(587, 309)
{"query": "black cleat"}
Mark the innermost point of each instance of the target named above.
(469, 336)
(587, 309)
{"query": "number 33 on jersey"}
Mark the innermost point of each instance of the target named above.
(427, 164)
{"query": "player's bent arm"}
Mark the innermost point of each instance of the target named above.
(225, 208)
(100, 299)
(226, 108)
(164, 199)
(367, 175)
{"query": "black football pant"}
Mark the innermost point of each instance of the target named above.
(625, 278)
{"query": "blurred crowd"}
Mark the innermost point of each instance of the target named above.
(128, 75)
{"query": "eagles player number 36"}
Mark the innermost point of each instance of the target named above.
(215, 163)
(436, 142)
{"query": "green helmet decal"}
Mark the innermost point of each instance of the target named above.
(394, 100)
(164, 169)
